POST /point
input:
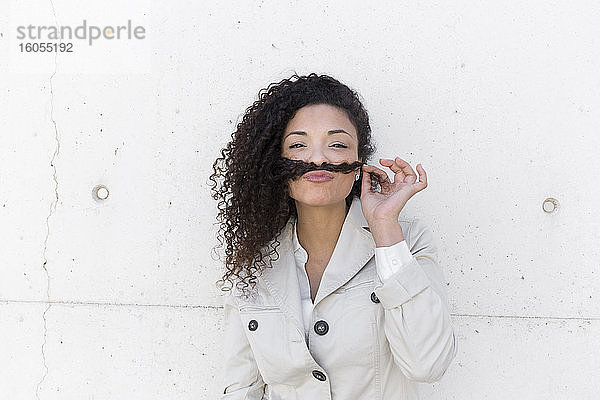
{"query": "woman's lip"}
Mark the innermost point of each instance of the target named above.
(319, 175)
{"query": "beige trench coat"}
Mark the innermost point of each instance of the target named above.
(381, 338)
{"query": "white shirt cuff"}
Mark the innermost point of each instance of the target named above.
(390, 259)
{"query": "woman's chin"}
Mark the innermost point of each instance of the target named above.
(319, 200)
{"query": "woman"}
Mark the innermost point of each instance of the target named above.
(353, 305)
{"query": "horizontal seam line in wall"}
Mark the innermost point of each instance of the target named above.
(95, 303)
(527, 317)
(84, 303)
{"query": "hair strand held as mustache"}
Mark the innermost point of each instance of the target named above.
(293, 169)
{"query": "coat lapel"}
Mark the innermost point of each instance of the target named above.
(354, 248)
(282, 280)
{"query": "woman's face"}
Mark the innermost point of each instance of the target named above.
(321, 133)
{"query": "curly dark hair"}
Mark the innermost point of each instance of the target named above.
(254, 202)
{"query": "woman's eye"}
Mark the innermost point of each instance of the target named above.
(342, 146)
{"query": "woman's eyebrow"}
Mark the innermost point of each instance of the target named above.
(331, 132)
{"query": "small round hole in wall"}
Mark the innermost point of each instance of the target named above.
(550, 205)
(100, 192)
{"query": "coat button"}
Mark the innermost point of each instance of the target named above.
(252, 325)
(319, 375)
(374, 298)
(321, 327)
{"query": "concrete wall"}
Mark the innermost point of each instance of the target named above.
(115, 298)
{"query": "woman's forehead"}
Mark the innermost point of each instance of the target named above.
(321, 119)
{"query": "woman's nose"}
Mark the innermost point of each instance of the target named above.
(318, 157)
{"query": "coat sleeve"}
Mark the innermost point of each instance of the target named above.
(417, 317)
(242, 379)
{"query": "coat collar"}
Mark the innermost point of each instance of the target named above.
(354, 248)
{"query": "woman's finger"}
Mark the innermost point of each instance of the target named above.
(406, 169)
(422, 177)
(381, 174)
(367, 183)
(393, 165)
(390, 164)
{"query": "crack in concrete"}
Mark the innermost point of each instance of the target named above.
(527, 317)
(216, 307)
(97, 303)
(52, 210)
